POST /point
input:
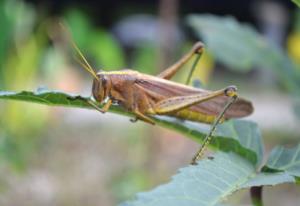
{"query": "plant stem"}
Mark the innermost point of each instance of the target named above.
(256, 196)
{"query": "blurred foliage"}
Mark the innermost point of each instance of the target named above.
(21, 19)
(103, 48)
(104, 51)
(125, 185)
(241, 48)
(143, 61)
(296, 2)
(293, 45)
(297, 108)
(293, 41)
(20, 51)
(26, 55)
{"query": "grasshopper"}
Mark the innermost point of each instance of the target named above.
(145, 95)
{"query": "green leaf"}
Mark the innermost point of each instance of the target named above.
(43, 96)
(208, 183)
(241, 137)
(247, 133)
(234, 44)
(270, 179)
(297, 2)
(240, 47)
(230, 136)
(285, 159)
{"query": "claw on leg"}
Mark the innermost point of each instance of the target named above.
(134, 120)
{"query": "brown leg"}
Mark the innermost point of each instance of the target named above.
(172, 70)
(209, 136)
(107, 105)
(141, 105)
(142, 117)
(102, 110)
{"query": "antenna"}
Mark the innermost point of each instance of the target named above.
(85, 63)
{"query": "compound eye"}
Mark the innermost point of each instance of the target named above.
(104, 81)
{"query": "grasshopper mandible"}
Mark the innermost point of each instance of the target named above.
(145, 95)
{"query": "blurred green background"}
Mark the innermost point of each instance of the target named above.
(59, 156)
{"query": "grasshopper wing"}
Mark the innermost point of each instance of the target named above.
(159, 89)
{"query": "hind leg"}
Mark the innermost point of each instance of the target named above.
(172, 70)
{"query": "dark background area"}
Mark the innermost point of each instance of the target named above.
(106, 12)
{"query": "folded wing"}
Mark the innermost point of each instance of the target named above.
(159, 89)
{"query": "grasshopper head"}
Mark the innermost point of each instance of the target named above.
(101, 87)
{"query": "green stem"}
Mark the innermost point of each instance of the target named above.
(256, 196)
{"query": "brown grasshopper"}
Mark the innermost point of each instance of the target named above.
(145, 95)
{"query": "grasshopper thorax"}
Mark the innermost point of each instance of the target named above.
(101, 87)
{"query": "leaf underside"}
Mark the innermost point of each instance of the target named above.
(285, 159)
(208, 183)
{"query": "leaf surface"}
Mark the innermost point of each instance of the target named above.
(285, 159)
(208, 183)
